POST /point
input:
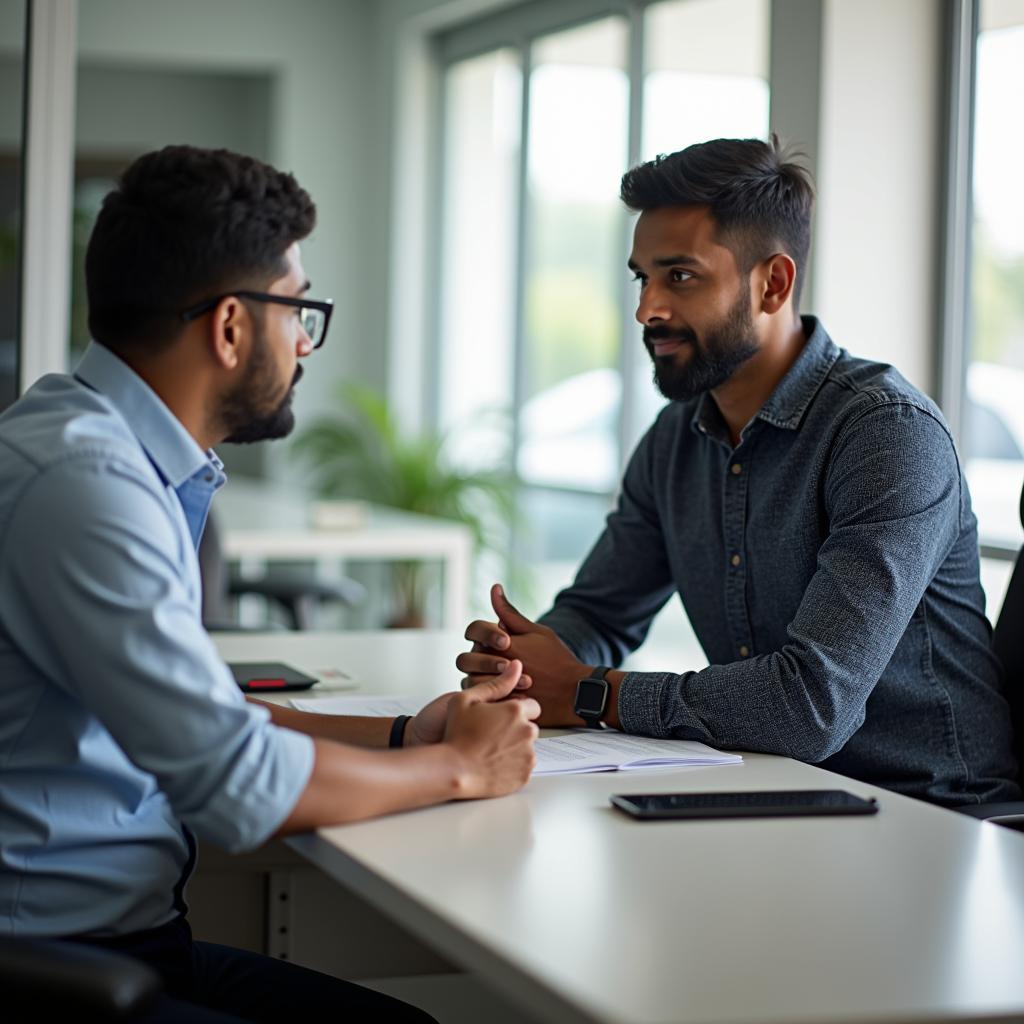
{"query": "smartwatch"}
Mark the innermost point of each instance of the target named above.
(592, 698)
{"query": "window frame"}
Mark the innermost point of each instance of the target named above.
(519, 28)
(962, 29)
(45, 312)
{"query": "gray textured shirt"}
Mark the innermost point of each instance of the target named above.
(829, 566)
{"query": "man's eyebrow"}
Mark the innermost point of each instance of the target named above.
(669, 261)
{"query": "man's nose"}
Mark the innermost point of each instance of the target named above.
(653, 305)
(304, 345)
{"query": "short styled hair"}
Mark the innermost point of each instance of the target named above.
(760, 198)
(185, 224)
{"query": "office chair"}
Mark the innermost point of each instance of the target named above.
(42, 976)
(1008, 644)
(295, 592)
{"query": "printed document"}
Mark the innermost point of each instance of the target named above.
(585, 750)
(609, 751)
(368, 706)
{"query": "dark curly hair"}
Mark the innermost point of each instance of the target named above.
(182, 225)
(760, 199)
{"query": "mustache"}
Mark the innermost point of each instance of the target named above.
(299, 371)
(666, 333)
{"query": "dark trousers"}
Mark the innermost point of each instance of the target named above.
(210, 984)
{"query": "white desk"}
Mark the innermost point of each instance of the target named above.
(582, 915)
(262, 524)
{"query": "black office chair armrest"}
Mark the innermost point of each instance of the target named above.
(297, 593)
(1010, 814)
(284, 586)
(230, 626)
(47, 975)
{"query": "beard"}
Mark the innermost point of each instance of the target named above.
(713, 359)
(250, 411)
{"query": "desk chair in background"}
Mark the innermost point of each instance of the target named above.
(297, 593)
(1008, 643)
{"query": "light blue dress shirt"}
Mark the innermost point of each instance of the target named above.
(119, 723)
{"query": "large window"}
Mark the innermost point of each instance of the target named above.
(993, 410)
(535, 308)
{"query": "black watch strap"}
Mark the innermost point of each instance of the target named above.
(396, 737)
(594, 721)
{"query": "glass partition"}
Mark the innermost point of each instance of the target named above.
(12, 137)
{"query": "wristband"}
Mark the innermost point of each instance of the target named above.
(397, 737)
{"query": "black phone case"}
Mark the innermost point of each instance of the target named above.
(754, 804)
(269, 676)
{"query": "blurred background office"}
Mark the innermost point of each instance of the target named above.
(464, 156)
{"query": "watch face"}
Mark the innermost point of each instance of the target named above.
(591, 695)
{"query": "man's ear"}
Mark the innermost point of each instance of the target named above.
(778, 276)
(229, 329)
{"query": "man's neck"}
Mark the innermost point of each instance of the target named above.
(181, 388)
(741, 397)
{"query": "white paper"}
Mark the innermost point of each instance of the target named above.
(357, 704)
(610, 751)
(585, 750)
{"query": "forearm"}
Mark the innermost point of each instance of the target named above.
(352, 729)
(782, 703)
(623, 582)
(351, 784)
(603, 621)
(581, 635)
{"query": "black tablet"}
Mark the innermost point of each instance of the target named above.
(755, 804)
(269, 676)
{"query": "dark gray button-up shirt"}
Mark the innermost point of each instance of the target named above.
(829, 566)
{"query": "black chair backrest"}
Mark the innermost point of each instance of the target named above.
(1008, 644)
(214, 573)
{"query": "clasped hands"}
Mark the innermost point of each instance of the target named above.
(550, 670)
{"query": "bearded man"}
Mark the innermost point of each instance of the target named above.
(123, 735)
(808, 507)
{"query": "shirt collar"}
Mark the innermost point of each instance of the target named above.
(793, 394)
(170, 447)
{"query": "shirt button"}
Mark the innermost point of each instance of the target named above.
(735, 559)
(744, 651)
(736, 469)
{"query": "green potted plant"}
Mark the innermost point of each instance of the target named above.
(359, 452)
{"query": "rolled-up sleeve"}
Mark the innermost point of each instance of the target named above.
(94, 593)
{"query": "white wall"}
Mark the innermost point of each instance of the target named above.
(115, 105)
(879, 179)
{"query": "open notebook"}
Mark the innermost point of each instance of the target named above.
(609, 751)
(585, 750)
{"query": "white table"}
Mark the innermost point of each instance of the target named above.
(261, 524)
(582, 915)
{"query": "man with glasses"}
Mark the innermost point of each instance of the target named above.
(121, 731)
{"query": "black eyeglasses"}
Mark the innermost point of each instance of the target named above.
(315, 315)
